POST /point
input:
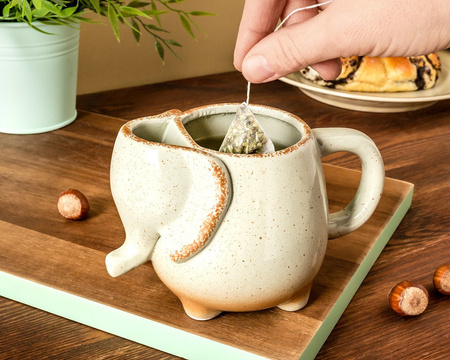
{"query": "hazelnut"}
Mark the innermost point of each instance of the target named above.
(408, 298)
(73, 205)
(441, 279)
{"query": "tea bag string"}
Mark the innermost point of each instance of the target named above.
(301, 9)
(280, 25)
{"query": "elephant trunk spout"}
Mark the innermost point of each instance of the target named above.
(129, 256)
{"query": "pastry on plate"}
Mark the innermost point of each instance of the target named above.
(382, 74)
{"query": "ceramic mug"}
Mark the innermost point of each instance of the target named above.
(229, 232)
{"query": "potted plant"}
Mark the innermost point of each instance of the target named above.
(39, 53)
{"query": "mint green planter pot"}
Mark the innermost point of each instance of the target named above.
(38, 77)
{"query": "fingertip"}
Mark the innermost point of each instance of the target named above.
(257, 69)
(237, 65)
(238, 58)
(328, 69)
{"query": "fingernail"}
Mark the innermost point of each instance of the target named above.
(256, 69)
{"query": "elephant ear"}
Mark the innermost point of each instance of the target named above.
(210, 195)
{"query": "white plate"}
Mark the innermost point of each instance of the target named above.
(378, 102)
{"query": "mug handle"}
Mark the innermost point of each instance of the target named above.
(363, 204)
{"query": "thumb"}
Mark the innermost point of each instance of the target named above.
(293, 48)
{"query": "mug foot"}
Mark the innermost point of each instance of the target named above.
(298, 301)
(199, 312)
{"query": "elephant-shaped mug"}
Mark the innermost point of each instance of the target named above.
(233, 232)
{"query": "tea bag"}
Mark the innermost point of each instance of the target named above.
(245, 135)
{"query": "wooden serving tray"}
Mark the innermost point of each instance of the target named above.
(58, 266)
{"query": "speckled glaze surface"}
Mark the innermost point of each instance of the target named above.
(229, 232)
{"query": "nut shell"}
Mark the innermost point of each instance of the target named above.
(73, 205)
(441, 279)
(408, 298)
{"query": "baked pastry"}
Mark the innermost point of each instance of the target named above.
(382, 74)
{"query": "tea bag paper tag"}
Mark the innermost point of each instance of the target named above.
(245, 135)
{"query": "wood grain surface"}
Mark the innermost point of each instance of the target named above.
(415, 147)
(76, 264)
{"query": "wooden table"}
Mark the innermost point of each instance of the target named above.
(415, 147)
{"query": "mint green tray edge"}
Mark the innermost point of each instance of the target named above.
(341, 304)
(115, 321)
(167, 338)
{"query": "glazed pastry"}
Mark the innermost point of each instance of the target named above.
(382, 74)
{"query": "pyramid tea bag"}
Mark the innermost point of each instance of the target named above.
(245, 135)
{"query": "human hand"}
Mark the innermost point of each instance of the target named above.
(344, 28)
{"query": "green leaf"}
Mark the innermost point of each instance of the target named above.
(37, 4)
(15, 2)
(39, 29)
(154, 13)
(130, 11)
(155, 28)
(201, 13)
(68, 12)
(138, 4)
(6, 11)
(58, 21)
(42, 12)
(60, 2)
(136, 30)
(173, 52)
(51, 7)
(26, 11)
(160, 49)
(174, 43)
(156, 16)
(187, 26)
(96, 6)
(112, 15)
(84, 19)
